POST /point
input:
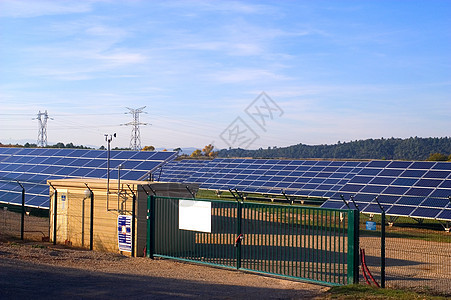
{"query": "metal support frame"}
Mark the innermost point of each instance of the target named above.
(239, 194)
(291, 201)
(191, 192)
(344, 200)
(446, 225)
(392, 220)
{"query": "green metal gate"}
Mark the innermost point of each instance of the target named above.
(308, 243)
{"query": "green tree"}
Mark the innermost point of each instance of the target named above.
(196, 153)
(437, 157)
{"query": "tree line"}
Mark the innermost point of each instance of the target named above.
(413, 148)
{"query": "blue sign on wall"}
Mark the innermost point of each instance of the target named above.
(370, 225)
(124, 232)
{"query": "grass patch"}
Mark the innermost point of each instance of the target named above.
(368, 292)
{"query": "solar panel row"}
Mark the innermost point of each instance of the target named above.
(34, 166)
(413, 189)
(295, 177)
(405, 188)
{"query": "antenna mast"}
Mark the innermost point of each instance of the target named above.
(135, 141)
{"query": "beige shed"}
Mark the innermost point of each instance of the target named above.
(89, 213)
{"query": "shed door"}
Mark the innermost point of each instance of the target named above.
(62, 215)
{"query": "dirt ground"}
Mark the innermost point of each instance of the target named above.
(41, 270)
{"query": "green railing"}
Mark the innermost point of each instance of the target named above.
(313, 244)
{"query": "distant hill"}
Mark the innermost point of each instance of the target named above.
(413, 148)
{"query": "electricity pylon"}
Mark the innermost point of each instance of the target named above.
(135, 141)
(42, 131)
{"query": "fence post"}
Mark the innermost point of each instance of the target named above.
(353, 246)
(238, 233)
(150, 226)
(22, 220)
(383, 249)
(91, 225)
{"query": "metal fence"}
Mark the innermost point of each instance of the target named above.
(33, 224)
(416, 257)
(313, 244)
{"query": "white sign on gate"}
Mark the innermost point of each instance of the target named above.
(195, 215)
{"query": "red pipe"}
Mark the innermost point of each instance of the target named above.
(363, 268)
(367, 270)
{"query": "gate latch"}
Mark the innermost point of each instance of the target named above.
(239, 239)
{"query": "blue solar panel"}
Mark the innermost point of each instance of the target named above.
(437, 174)
(391, 181)
(442, 193)
(422, 212)
(375, 209)
(333, 204)
(378, 164)
(405, 181)
(33, 167)
(415, 201)
(444, 215)
(435, 202)
(424, 192)
(373, 189)
(400, 210)
(382, 180)
(421, 165)
(360, 179)
(399, 164)
(403, 185)
(428, 182)
(391, 172)
(446, 184)
(413, 173)
(442, 166)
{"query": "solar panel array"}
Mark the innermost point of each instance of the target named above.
(32, 167)
(267, 176)
(180, 171)
(404, 188)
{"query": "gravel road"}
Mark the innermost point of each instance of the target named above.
(37, 270)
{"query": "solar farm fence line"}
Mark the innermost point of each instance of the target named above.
(307, 243)
(416, 257)
(35, 223)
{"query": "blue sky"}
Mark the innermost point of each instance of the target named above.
(330, 70)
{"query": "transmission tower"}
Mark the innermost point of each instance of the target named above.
(135, 141)
(42, 131)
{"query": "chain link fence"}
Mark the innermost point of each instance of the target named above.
(418, 256)
(35, 224)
